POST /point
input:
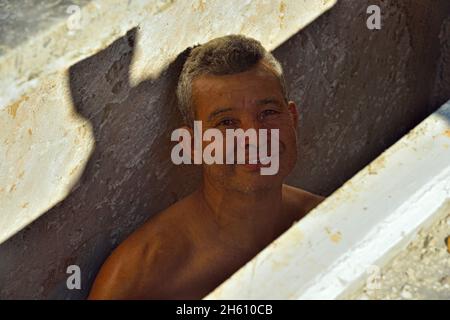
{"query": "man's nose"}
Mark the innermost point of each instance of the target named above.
(250, 122)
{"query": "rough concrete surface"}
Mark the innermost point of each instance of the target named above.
(40, 162)
(421, 271)
(358, 91)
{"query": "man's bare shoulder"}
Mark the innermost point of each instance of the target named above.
(299, 200)
(138, 265)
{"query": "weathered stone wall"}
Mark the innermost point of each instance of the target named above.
(358, 92)
(442, 83)
(45, 141)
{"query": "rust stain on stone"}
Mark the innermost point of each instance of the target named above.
(417, 132)
(376, 165)
(335, 237)
(282, 10)
(201, 5)
(82, 131)
(447, 133)
(12, 109)
(279, 265)
(73, 170)
(198, 5)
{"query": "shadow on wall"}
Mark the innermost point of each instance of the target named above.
(358, 92)
(128, 177)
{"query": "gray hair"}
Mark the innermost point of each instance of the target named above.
(221, 56)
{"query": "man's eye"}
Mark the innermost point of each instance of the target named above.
(226, 123)
(269, 112)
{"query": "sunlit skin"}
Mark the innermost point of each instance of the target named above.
(190, 248)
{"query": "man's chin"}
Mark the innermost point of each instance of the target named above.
(250, 180)
(246, 178)
(252, 168)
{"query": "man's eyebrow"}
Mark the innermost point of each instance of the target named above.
(270, 100)
(217, 112)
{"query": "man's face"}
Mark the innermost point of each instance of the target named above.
(251, 99)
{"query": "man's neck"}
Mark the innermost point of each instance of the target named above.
(245, 219)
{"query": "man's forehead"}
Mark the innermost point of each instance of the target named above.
(235, 85)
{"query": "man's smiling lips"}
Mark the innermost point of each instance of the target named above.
(255, 166)
(258, 165)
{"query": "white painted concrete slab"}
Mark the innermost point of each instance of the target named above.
(44, 143)
(165, 28)
(421, 271)
(366, 222)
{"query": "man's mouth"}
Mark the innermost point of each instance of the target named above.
(256, 165)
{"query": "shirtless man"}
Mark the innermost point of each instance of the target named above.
(191, 247)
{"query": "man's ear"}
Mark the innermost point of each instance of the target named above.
(293, 111)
